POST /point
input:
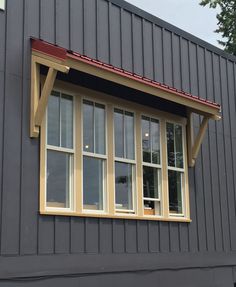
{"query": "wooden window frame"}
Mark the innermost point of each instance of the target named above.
(110, 102)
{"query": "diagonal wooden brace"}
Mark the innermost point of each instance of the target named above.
(195, 144)
(39, 103)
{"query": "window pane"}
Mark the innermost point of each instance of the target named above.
(170, 144)
(100, 141)
(179, 146)
(175, 191)
(146, 139)
(123, 185)
(67, 121)
(93, 177)
(88, 126)
(53, 119)
(155, 133)
(150, 182)
(58, 179)
(119, 133)
(129, 135)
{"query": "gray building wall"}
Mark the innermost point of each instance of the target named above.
(124, 36)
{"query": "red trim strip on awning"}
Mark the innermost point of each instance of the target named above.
(62, 54)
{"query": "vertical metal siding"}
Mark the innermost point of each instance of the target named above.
(102, 30)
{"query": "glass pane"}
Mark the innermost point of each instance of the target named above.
(179, 146)
(146, 139)
(155, 133)
(66, 121)
(100, 141)
(170, 144)
(150, 182)
(129, 135)
(58, 179)
(53, 120)
(175, 191)
(152, 207)
(93, 183)
(119, 133)
(123, 185)
(88, 126)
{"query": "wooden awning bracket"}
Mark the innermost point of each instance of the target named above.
(195, 144)
(39, 97)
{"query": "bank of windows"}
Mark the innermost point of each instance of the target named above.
(60, 161)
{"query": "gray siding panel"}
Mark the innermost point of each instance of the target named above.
(62, 32)
(103, 29)
(30, 148)
(76, 26)
(47, 20)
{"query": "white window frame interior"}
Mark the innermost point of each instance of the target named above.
(109, 203)
(125, 160)
(70, 152)
(95, 155)
(158, 167)
(181, 170)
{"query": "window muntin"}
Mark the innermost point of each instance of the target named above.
(59, 151)
(151, 154)
(152, 203)
(124, 160)
(175, 155)
(94, 156)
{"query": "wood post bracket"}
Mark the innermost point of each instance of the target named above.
(195, 144)
(39, 97)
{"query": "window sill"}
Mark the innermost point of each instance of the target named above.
(116, 216)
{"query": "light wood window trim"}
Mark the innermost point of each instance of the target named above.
(111, 102)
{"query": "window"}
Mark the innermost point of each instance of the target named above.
(2, 4)
(106, 157)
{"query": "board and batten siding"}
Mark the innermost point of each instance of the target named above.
(117, 33)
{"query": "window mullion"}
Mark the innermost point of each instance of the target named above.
(139, 189)
(110, 161)
(78, 155)
(164, 170)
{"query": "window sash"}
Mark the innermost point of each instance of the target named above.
(109, 160)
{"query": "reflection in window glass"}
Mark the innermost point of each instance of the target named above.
(170, 144)
(88, 126)
(129, 135)
(150, 182)
(124, 134)
(119, 133)
(123, 186)
(66, 121)
(53, 118)
(146, 140)
(175, 145)
(100, 129)
(94, 124)
(93, 176)
(155, 141)
(151, 140)
(175, 191)
(179, 146)
(58, 179)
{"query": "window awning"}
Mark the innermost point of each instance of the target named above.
(59, 59)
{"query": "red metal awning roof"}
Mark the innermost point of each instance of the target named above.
(62, 55)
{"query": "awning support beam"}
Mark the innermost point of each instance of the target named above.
(39, 101)
(195, 144)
